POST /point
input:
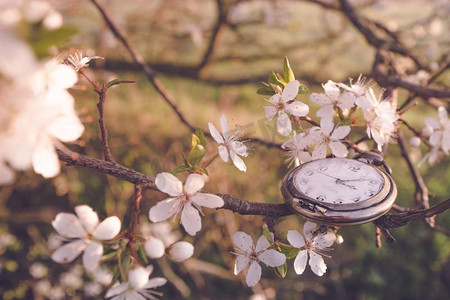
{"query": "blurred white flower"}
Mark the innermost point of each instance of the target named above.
(247, 253)
(154, 248)
(439, 130)
(138, 287)
(164, 231)
(415, 141)
(76, 60)
(283, 105)
(38, 270)
(295, 149)
(229, 143)
(180, 251)
(327, 135)
(314, 245)
(85, 233)
(28, 137)
(380, 115)
(187, 200)
(332, 98)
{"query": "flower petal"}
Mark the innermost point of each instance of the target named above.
(270, 112)
(338, 149)
(317, 264)
(66, 128)
(44, 158)
(238, 162)
(340, 132)
(298, 108)
(194, 183)
(326, 124)
(68, 252)
(92, 255)
(169, 184)
(207, 200)
(190, 219)
(325, 240)
(290, 91)
(295, 239)
(117, 290)
(241, 263)
(223, 152)
(164, 209)
(308, 229)
(300, 262)
(107, 229)
(272, 258)
(253, 274)
(224, 126)
(284, 126)
(262, 244)
(320, 99)
(215, 133)
(243, 241)
(138, 278)
(68, 225)
(155, 282)
(320, 151)
(87, 217)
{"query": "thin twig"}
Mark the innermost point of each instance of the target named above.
(104, 132)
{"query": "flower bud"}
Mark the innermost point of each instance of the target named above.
(339, 239)
(181, 251)
(415, 141)
(154, 248)
(138, 277)
(427, 130)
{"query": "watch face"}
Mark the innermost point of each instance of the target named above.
(338, 181)
(339, 191)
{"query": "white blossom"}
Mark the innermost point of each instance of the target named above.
(381, 117)
(154, 248)
(284, 105)
(332, 98)
(313, 245)
(247, 253)
(138, 286)
(439, 130)
(327, 135)
(186, 200)
(229, 143)
(85, 234)
(296, 152)
(180, 251)
(76, 60)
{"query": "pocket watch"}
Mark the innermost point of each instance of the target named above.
(339, 191)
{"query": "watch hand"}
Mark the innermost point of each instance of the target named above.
(327, 175)
(340, 181)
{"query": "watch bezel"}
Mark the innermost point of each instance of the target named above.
(339, 214)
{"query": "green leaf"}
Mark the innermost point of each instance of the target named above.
(276, 80)
(142, 255)
(267, 233)
(266, 89)
(180, 169)
(302, 89)
(196, 155)
(288, 250)
(281, 270)
(287, 71)
(201, 136)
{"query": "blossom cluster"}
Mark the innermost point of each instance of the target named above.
(338, 102)
(438, 134)
(36, 110)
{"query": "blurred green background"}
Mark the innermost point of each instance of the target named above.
(147, 136)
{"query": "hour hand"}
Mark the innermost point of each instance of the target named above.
(340, 181)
